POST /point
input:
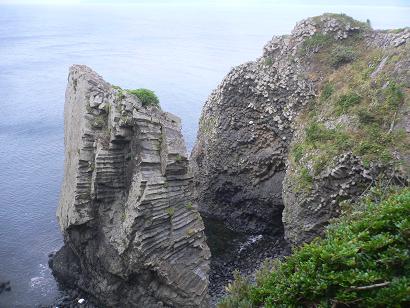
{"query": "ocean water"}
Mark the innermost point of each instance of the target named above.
(180, 51)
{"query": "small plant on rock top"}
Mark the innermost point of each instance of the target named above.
(147, 97)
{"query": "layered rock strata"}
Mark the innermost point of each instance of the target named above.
(244, 171)
(132, 235)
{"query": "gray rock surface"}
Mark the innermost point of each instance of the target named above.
(244, 132)
(240, 159)
(307, 213)
(132, 236)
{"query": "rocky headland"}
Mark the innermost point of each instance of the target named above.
(284, 144)
(317, 120)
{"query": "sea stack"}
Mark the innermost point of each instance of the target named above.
(133, 237)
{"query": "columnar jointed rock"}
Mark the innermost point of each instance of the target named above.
(245, 128)
(307, 212)
(132, 236)
(242, 151)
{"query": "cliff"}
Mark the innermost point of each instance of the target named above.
(132, 236)
(320, 118)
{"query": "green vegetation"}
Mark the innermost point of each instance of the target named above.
(99, 121)
(353, 113)
(316, 41)
(363, 261)
(327, 91)
(268, 61)
(324, 144)
(397, 30)
(189, 206)
(341, 55)
(147, 97)
(178, 158)
(344, 19)
(170, 211)
(304, 180)
(190, 232)
(298, 152)
(346, 101)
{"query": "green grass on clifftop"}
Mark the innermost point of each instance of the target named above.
(363, 261)
(147, 97)
(356, 110)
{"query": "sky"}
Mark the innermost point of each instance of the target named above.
(382, 3)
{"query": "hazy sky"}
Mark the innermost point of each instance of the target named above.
(222, 2)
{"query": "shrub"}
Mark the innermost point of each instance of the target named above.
(341, 55)
(363, 261)
(147, 97)
(239, 286)
(375, 144)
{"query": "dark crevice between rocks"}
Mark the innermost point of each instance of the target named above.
(239, 251)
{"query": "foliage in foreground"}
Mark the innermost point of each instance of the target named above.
(363, 261)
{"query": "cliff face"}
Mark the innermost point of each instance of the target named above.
(321, 117)
(132, 236)
(244, 132)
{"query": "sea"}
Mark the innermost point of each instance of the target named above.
(179, 50)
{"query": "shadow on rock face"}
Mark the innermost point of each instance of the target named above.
(235, 251)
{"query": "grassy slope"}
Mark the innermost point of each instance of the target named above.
(353, 111)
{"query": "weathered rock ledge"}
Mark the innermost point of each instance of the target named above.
(132, 236)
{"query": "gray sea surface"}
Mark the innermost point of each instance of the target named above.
(181, 52)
